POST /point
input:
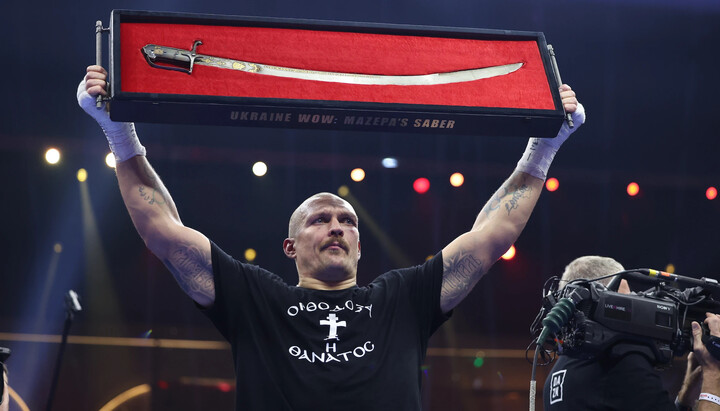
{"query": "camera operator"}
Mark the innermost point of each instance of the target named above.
(628, 381)
(4, 393)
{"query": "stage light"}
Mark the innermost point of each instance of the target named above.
(711, 193)
(670, 268)
(389, 162)
(259, 169)
(343, 191)
(250, 255)
(509, 254)
(479, 359)
(552, 184)
(52, 156)
(224, 387)
(82, 175)
(357, 174)
(391, 249)
(163, 385)
(110, 160)
(457, 179)
(633, 189)
(421, 185)
(57, 248)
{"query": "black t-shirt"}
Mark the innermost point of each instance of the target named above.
(300, 349)
(622, 383)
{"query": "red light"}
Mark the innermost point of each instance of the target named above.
(633, 189)
(711, 193)
(224, 387)
(509, 254)
(552, 184)
(421, 185)
(163, 385)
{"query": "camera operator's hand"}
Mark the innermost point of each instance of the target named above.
(691, 384)
(705, 359)
(710, 365)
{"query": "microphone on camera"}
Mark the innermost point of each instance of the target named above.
(561, 313)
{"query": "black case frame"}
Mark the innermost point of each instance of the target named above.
(226, 111)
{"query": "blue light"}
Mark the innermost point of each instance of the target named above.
(389, 162)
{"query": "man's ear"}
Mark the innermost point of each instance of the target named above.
(359, 249)
(289, 248)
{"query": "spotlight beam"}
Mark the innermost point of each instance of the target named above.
(398, 258)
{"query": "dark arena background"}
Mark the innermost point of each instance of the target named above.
(646, 71)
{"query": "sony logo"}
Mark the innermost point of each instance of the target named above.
(663, 307)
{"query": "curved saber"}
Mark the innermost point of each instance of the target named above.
(184, 60)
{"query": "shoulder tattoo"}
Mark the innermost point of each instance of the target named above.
(459, 273)
(192, 269)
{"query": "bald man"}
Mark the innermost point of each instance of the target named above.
(325, 343)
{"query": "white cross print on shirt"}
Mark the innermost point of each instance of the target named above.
(332, 321)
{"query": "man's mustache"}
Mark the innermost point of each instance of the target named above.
(339, 241)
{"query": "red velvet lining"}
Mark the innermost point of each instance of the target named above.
(339, 52)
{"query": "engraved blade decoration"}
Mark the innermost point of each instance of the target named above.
(170, 58)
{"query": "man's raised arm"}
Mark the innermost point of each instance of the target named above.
(184, 251)
(467, 258)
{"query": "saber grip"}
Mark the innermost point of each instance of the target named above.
(174, 59)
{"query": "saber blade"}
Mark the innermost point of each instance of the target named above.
(170, 58)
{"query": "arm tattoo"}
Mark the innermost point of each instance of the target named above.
(192, 269)
(518, 193)
(153, 197)
(459, 273)
(494, 202)
(514, 191)
(154, 193)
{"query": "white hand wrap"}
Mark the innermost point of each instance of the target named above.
(540, 152)
(123, 140)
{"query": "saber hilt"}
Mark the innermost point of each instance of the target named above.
(154, 53)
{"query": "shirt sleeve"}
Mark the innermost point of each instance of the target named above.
(238, 287)
(423, 284)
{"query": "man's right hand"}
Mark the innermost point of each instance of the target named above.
(121, 137)
(93, 84)
(96, 81)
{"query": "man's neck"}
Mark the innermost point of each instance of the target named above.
(317, 284)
